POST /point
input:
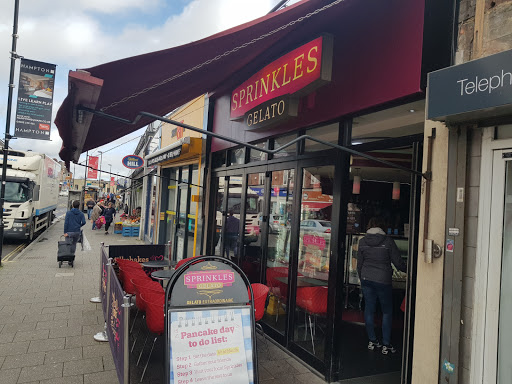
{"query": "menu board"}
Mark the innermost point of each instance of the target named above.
(211, 346)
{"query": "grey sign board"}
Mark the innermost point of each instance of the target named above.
(475, 90)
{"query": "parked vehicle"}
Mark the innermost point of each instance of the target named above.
(275, 223)
(75, 195)
(323, 226)
(31, 193)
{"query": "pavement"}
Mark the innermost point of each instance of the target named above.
(47, 322)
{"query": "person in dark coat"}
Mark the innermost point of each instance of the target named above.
(376, 253)
(231, 240)
(109, 214)
(73, 223)
(90, 205)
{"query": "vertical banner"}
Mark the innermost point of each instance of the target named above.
(35, 100)
(116, 325)
(104, 281)
(92, 171)
(112, 181)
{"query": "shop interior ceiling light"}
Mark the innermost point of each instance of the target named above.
(356, 186)
(396, 190)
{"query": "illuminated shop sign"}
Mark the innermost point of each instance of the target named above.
(271, 112)
(271, 90)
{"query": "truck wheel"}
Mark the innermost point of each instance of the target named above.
(31, 233)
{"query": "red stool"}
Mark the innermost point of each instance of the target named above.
(313, 300)
(260, 302)
(155, 322)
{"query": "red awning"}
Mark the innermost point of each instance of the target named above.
(113, 82)
(314, 205)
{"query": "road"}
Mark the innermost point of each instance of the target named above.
(12, 247)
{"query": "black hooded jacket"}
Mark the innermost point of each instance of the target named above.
(375, 254)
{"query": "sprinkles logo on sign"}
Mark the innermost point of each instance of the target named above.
(133, 161)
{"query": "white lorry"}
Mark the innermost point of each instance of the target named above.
(31, 193)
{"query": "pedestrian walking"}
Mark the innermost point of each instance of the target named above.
(73, 223)
(97, 211)
(90, 205)
(109, 215)
(375, 255)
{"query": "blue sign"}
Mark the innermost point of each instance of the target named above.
(133, 161)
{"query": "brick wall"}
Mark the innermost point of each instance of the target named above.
(493, 19)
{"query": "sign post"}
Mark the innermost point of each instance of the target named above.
(103, 275)
(210, 327)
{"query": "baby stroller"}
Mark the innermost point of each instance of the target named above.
(66, 249)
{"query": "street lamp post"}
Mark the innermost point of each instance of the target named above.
(8, 136)
(109, 176)
(99, 183)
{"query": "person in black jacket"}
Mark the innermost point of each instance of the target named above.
(73, 223)
(109, 214)
(375, 254)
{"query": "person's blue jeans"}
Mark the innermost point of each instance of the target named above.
(384, 293)
(89, 211)
(94, 224)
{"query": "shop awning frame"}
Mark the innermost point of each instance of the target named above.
(81, 109)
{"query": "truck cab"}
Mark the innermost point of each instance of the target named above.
(31, 193)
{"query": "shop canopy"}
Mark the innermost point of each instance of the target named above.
(161, 81)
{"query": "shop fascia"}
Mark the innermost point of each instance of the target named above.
(170, 152)
(477, 90)
(271, 95)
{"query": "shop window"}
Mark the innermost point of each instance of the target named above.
(327, 133)
(258, 155)
(195, 175)
(184, 175)
(219, 159)
(237, 156)
(288, 151)
(219, 209)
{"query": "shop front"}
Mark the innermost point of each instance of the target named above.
(346, 73)
(293, 219)
(179, 198)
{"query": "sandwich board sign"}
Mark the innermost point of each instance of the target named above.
(210, 334)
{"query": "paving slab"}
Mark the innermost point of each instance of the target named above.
(31, 335)
(84, 366)
(10, 376)
(25, 360)
(14, 348)
(40, 372)
(47, 345)
(105, 377)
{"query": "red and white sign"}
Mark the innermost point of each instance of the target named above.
(92, 171)
(112, 181)
(314, 240)
(302, 69)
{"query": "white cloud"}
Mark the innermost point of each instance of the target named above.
(70, 34)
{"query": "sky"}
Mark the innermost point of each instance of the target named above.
(76, 34)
